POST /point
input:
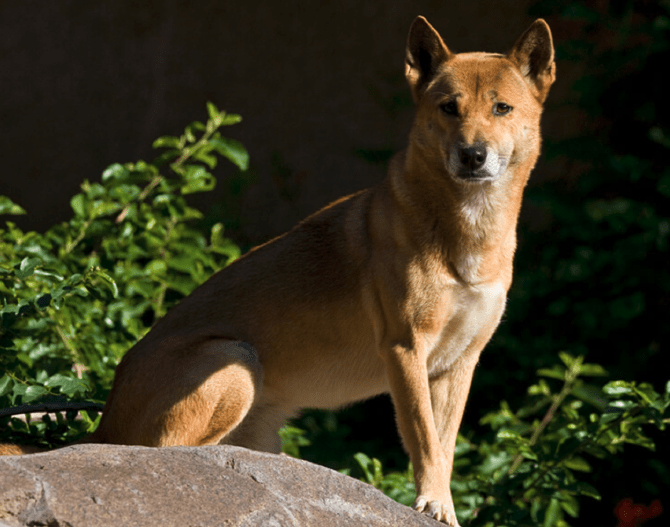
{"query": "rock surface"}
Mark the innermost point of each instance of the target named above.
(108, 485)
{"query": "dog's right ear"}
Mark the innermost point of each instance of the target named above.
(425, 52)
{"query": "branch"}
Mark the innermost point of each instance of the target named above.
(49, 408)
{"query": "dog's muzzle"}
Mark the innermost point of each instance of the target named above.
(475, 162)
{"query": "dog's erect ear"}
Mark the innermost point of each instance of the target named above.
(533, 54)
(425, 52)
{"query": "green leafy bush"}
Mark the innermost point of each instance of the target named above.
(594, 279)
(537, 466)
(75, 298)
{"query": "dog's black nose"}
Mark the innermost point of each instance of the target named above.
(472, 157)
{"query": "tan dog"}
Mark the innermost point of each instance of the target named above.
(395, 289)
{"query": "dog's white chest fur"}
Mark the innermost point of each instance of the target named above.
(477, 202)
(477, 310)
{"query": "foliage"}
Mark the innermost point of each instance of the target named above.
(537, 466)
(398, 486)
(292, 438)
(75, 298)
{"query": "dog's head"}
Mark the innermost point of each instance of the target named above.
(478, 114)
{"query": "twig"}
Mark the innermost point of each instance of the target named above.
(570, 377)
(49, 408)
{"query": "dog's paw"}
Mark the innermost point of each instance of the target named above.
(437, 510)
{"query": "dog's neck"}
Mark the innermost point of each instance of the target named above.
(472, 226)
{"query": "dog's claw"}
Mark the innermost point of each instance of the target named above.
(420, 504)
(436, 510)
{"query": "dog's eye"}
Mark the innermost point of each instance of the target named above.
(450, 108)
(500, 108)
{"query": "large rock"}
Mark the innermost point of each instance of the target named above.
(106, 485)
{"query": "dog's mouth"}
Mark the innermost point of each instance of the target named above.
(475, 163)
(475, 176)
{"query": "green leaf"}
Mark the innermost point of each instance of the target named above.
(182, 284)
(585, 489)
(29, 393)
(292, 439)
(6, 384)
(198, 180)
(42, 272)
(167, 141)
(208, 159)
(7, 206)
(646, 392)
(618, 388)
(222, 245)
(232, 150)
(109, 281)
(556, 372)
(590, 394)
(115, 172)
(194, 172)
(156, 267)
(212, 110)
(69, 386)
(27, 267)
(229, 118)
(102, 208)
(197, 125)
(372, 468)
(9, 309)
(592, 370)
(91, 424)
(567, 359)
(569, 504)
(182, 262)
(216, 237)
(507, 434)
(578, 463)
(624, 405)
(553, 513)
(188, 133)
(78, 204)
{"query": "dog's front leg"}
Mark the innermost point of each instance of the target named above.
(408, 378)
(449, 392)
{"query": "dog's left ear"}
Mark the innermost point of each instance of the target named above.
(533, 54)
(425, 52)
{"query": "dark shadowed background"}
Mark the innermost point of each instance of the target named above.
(320, 86)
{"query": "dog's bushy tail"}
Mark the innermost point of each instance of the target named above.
(19, 450)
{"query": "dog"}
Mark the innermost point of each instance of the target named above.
(395, 289)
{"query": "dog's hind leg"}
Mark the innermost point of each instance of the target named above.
(260, 428)
(184, 396)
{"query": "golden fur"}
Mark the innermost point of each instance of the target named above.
(395, 289)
